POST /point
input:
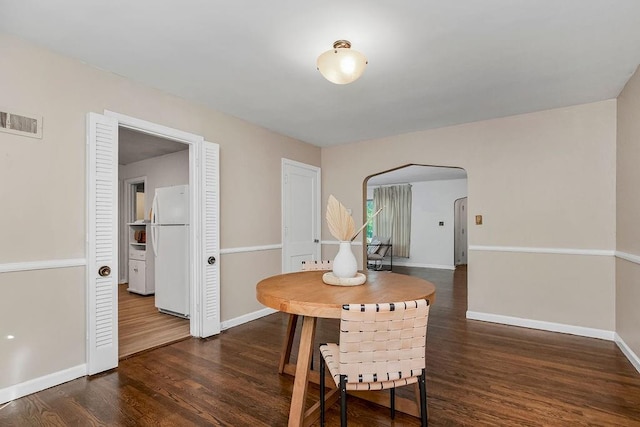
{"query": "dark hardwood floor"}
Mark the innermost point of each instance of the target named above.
(479, 374)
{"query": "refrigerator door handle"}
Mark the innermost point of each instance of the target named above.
(154, 209)
(154, 226)
(154, 239)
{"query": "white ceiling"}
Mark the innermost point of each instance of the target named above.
(431, 62)
(135, 146)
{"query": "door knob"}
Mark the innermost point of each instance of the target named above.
(316, 241)
(104, 271)
(211, 260)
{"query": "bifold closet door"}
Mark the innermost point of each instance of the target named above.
(102, 243)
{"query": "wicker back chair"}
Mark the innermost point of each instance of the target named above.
(326, 264)
(382, 346)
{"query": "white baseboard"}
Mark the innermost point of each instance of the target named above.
(633, 358)
(38, 384)
(544, 326)
(236, 321)
(419, 265)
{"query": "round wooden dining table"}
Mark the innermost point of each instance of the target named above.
(305, 294)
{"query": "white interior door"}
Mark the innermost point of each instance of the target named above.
(102, 243)
(300, 214)
(210, 240)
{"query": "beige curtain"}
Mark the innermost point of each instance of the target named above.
(395, 219)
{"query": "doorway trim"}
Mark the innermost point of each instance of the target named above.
(194, 141)
(129, 195)
(365, 183)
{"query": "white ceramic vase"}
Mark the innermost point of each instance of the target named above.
(345, 265)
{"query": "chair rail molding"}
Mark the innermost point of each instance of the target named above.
(336, 242)
(526, 249)
(628, 257)
(243, 249)
(42, 265)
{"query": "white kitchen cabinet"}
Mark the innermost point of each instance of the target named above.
(137, 282)
(141, 269)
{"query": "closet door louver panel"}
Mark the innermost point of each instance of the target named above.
(102, 243)
(210, 239)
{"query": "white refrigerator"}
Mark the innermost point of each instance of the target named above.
(170, 243)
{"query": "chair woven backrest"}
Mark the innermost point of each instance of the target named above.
(317, 265)
(383, 342)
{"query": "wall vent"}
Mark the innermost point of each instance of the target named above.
(20, 123)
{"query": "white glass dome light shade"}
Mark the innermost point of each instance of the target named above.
(342, 65)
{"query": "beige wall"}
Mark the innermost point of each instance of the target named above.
(238, 268)
(43, 192)
(162, 171)
(540, 180)
(628, 214)
(566, 289)
(45, 311)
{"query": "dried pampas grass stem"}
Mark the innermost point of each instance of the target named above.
(339, 220)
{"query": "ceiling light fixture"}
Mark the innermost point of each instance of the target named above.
(342, 65)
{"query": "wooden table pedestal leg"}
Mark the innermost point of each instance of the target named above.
(286, 349)
(301, 381)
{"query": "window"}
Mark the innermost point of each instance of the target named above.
(395, 219)
(369, 215)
